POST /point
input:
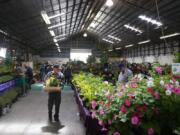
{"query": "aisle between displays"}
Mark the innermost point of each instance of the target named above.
(143, 106)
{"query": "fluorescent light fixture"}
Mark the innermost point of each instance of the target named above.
(170, 35)
(55, 26)
(110, 50)
(119, 48)
(150, 20)
(85, 35)
(57, 15)
(60, 39)
(129, 45)
(55, 40)
(133, 28)
(60, 36)
(45, 17)
(118, 39)
(3, 32)
(57, 44)
(93, 25)
(143, 42)
(59, 50)
(52, 33)
(108, 41)
(109, 3)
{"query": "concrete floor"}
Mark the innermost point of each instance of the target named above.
(29, 116)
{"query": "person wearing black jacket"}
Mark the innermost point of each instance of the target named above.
(68, 75)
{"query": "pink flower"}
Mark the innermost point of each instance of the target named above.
(123, 109)
(150, 131)
(101, 123)
(156, 95)
(131, 95)
(169, 86)
(159, 70)
(135, 120)
(177, 90)
(93, 104)
(127, 103)
(101, 112)
(104, 129)
(109, 122)
(116, 133)
(93, 115)
(134, 85)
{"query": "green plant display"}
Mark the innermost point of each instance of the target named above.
(147, 106)
(7, 97)
(91, 86)
(91, 59)
(5, 78)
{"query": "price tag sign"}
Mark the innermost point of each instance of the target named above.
(176, 68)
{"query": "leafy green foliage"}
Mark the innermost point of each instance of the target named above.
(5, 78)
(91, 59)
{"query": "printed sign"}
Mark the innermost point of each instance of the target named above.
(176, 68)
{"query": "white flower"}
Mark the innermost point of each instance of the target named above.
(150, 79)
(150, 83)
(168, 92)
(162, 83)
(106, 82)
(127, 86)
(170, 81)
(139, 76)
(177, 83)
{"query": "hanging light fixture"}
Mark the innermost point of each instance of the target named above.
(109, 3)
(85, 35)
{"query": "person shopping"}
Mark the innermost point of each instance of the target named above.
(55, 96)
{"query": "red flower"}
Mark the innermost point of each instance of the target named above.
(150, 90)
(127, 103)
(138, 114)
(156, 110)
(123, 109)
(145, 108)
(131, 95)
(138, 108)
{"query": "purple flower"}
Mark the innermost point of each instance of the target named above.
(93, 104)
(116, 133)
(150, 131)
(135, 120)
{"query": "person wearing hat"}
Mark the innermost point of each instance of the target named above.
(54, 97)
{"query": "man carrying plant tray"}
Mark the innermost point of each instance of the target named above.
(53, 87)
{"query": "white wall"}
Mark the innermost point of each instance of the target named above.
(162, 59)
(50, 60)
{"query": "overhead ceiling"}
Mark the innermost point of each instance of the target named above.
(22, 18)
